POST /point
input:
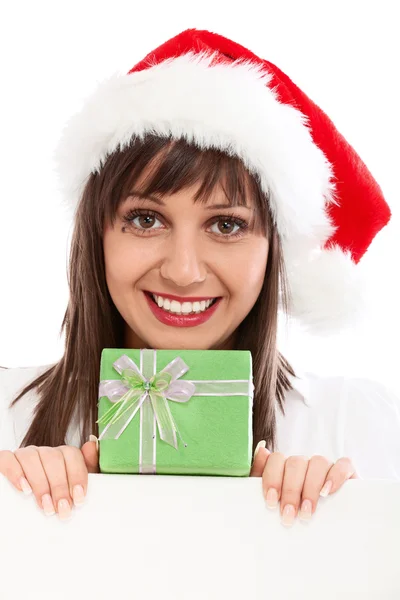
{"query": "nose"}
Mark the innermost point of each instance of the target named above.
(183, 262)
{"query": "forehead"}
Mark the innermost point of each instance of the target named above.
(205, 180)
(217, 199)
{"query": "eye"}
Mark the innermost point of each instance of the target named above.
(229, 227)
(225, 226)
(145, 221)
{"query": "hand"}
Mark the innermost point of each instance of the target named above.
(298, 481)
(52, 474)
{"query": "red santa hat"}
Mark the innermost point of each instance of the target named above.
(205, 88)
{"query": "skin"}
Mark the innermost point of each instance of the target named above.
(185, 253)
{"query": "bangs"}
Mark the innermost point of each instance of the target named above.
(165, 166)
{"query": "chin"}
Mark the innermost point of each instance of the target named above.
(172, 343)
(176, 345)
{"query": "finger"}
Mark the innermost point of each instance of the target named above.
(77, 473)
(340, 472)
(272, 478)
(91, 457)
(318, 468)
(12, 470)
(31, 465)
(54, 465)
(292, 487)
(260, 459)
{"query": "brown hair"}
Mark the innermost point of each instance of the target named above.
(91, 320)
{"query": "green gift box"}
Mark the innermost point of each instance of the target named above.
(175, 412)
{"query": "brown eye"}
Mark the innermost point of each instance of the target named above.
(141, 221)
(229, 227)
(226, 226)
(146, 221)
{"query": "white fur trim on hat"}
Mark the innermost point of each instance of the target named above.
(186, 97)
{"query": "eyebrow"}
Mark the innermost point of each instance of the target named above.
(134, 193)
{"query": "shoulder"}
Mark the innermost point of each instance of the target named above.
(356, 417)
(375, 392)
(14, 379)
(15, 420)
(314, 416)
(353, 392)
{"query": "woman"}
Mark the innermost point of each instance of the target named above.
(205, 182)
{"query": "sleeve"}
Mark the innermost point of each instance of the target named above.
(372, 429)
(15, 421)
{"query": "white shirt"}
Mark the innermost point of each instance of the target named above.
(330, 416)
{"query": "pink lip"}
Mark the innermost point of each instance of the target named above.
(179, 298)
(180, 320)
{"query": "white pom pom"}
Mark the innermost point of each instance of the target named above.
(327, 291)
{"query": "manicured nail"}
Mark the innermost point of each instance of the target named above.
(26, 488)
(288, 515)
(261, 444)
(64, 509)
(305, 510)
(78, 495)
(93, 438)
(48, 505)
(272, 498)
(326, 489)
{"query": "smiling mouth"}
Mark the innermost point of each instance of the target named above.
(168, 310)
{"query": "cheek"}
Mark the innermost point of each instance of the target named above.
(256, 273)
(250, 265)
(123, 261)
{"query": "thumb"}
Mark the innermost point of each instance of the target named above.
(91, 455)
(260, 459)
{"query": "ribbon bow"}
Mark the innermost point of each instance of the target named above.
(129, 393)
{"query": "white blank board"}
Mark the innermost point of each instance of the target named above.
(185, 538)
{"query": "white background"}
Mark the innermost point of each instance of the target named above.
(343, 54)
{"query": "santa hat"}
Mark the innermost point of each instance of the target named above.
(205, 88)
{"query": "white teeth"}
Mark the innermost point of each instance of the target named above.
(175, 307)
(181, 308)
(186, 307)
(196, 307)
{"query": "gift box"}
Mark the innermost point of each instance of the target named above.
(175, 412)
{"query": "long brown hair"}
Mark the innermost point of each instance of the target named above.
(91, 320)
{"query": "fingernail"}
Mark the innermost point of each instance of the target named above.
(272, 498)
(305, 510)
(326, 489)
(26, 488)
(78, 495)
(48, 505)
(93, 438)
(261, 444)
(288, 515)
(64, 509)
